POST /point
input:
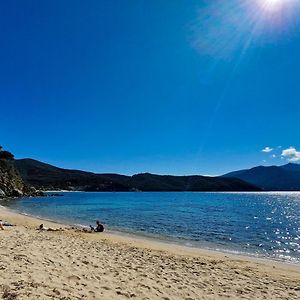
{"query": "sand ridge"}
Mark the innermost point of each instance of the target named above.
(75, 265)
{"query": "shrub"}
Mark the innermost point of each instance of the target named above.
(6, 155)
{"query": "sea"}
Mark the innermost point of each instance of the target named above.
(260, 224)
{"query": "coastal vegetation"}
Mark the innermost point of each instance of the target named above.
(5, 154)
(11, 183)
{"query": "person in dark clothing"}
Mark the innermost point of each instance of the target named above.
(99, 227)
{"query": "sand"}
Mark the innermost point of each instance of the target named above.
(75, 265)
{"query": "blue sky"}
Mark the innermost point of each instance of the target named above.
(177, 87)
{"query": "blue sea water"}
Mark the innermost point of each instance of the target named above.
(260, 224)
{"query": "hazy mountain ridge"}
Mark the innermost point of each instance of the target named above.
(273, 178)
(47, 177)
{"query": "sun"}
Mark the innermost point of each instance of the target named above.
(273, 2)
(272, 5)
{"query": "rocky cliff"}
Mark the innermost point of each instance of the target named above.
(11, 184)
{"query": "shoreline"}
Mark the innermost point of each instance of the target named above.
(128, 237)
(72, 264)
(147, 241)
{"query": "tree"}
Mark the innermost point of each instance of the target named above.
(6, 155)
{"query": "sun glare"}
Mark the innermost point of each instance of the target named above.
(272, 5)
(228, 29)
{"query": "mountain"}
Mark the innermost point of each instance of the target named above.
(273, 178)
(47, 177)
(291, 167)
(44, 176)
(153, 182)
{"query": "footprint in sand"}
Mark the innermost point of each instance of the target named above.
(73, 278)
(91, 294)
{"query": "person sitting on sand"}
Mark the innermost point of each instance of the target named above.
(99, 227)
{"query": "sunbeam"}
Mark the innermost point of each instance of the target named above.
(224, 29)
(272, 5)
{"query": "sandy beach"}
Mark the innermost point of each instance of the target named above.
(75, 265)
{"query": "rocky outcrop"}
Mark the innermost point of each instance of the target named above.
(2, 194)
(11, 184)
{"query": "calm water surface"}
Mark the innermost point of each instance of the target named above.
(261, 224)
